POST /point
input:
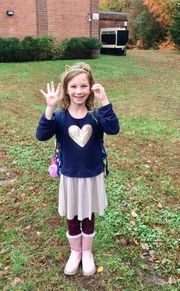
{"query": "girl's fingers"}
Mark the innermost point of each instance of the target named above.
(48, 88)
(52, 86)
(58, 89)
(43, 92)
(51, 92)
(97, 87)
(99, 92)
(96, 90)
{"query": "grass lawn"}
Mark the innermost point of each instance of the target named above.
(136, 243)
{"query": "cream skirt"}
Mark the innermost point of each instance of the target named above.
(82, 196)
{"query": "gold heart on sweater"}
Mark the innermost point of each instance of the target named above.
(80, 135)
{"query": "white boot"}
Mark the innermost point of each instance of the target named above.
(87, 256)
(74, 260)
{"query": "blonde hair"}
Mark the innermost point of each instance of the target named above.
(67, 76)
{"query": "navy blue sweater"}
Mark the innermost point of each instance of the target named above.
(82, 156)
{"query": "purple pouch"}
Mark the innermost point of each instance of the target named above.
(53, 168)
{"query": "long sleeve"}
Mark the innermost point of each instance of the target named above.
(108, 119)
(46, 128)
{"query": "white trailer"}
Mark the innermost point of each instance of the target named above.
(114, 40)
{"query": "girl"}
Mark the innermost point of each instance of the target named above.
(81, 191)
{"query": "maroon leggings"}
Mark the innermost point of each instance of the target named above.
(74, 225)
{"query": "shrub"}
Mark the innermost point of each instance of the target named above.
(46, 48)
(92, 44)
(10, 49)
(82, 47)
(148, 30)
(40, 48)
(29, 49)
(175, 28)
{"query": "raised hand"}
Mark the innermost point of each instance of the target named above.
(100, 94)
(52, 96)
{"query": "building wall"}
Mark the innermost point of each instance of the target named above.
(113, 19)
(112, 23)
(22, 23)
(94, 24)
(68, 18)
(60, 18)
(42, 19)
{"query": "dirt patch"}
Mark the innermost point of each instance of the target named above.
(54, 221)
(7, 177)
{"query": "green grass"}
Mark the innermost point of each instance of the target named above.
(136, 252)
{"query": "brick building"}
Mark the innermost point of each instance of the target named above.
(112, 19)
(60, 18)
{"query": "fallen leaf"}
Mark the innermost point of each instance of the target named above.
(100, 269)
(152, 256)
(107, 255)
(158, 243)
(157, 227)
(1, 202)
(31, 188)
(152, 253)
(144, 246)
(164, 261)
(132, 222)
(6, 268)
(146, 166)
(159, 205)
(134, 214)
(172, 280)
(23, 195)
(28, 227)
(18, 280)
(2, 251)
(59, 258)
(125, 241)
(135, 241)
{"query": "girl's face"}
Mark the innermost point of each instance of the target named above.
(79, 89)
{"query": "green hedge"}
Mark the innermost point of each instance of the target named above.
(47, 48)
(82, 47)
(10, 49)
(29, 49)
(41, 48)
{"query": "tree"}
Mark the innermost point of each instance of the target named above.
(114, 5)
(175, 27)
(149, 31)
(162, 10)
(167, 13)
(136, 8)
(149, 20)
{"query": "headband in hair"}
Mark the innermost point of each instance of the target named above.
(85, 69)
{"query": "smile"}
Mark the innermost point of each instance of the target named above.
(79, 97)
